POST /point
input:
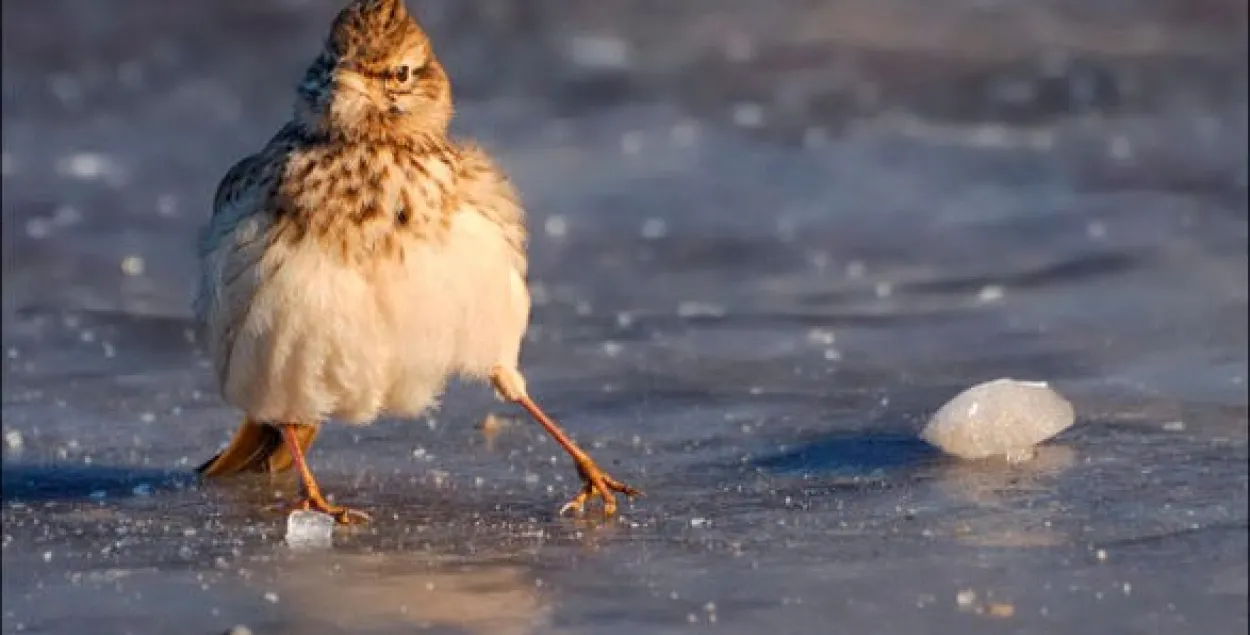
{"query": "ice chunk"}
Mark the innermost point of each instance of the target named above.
(308, 529)
(1003, 417)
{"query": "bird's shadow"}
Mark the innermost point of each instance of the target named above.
(852, 454)
(52, 482)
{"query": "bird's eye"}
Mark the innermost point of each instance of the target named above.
(401, 73)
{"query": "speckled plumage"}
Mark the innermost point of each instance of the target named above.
(362, 256)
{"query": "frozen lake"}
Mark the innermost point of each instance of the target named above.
(769, 239)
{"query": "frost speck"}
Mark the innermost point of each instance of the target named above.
(599, 52)
(38, 227)
(856, 269)
(748, 115)
(966, 598)
(654, 229)
(990, 293)
(556, 226)
(684, 134)
(821, 337)
(133, 265)
(14, 441)
(699, 309)
(167, 205)
(66, 215)
(631, 143)
(88, 166)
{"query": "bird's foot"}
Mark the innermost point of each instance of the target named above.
(597, 484)
(342, 515)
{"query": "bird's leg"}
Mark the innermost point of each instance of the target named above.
(313, 500)
(595, 482)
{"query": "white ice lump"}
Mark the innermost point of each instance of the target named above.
(309, 529)
(1004, 417)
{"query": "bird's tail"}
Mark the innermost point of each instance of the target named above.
(257, 447)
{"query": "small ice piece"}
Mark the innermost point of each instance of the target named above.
(1004, 417)
(238, 629)
(309, 529)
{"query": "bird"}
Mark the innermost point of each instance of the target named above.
(362, 258)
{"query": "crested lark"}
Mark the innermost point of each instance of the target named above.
(362, 257)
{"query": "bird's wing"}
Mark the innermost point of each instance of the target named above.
(486, 189)
(231, 247)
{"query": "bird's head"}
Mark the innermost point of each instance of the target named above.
(376, 78)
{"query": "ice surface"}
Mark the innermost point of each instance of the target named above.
(880, 160)
(309, 529)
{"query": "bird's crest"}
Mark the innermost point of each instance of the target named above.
(369, 31)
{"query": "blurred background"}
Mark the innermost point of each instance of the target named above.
(769, 238)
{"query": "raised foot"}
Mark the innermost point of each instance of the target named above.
(342, 515)
(597, 484)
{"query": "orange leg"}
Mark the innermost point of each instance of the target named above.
(595, 482)
(313, 500)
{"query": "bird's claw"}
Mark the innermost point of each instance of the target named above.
(342, 515)
(597, 484)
